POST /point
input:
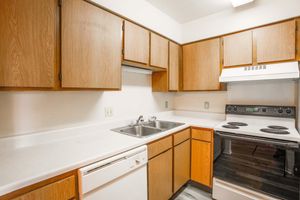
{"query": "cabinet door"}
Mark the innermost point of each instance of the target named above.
(91, 46)
(136, 43)
(159, 51)
(175, 54)
(201, 65)
(276, 42)
(60, 190)
(201, 162)
(28, 43)
(181, 164)
(298, 39)
(237, 49)
(160, 176)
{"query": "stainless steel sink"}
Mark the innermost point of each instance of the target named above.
(138, 130)
(147, 128)
(165, 125)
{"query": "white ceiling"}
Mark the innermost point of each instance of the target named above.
(187, 10)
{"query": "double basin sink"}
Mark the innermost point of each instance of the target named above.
(147, 128)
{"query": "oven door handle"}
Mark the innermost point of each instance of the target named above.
(286, 144)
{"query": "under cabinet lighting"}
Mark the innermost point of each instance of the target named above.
(237, 3)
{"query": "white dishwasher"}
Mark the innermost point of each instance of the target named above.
(123, 176)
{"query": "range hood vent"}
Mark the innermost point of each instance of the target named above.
(288, 70)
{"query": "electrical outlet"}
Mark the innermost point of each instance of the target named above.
(108, 112)
(206, 105)
(111, 113)
(166, 104)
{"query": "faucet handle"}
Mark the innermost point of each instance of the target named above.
(153, 118)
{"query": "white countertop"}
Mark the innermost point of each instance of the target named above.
(29, 159)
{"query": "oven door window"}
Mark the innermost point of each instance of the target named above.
(257, 166)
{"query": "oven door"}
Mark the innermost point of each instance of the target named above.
(249, 167)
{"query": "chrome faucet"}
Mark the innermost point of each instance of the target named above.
(140, 120)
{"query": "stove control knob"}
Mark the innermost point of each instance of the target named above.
(235, 109)
(229, 108)
(288, 111)
(280, 110)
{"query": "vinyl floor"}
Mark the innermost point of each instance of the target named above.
(193, 193)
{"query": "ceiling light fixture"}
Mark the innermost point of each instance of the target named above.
(237, 3)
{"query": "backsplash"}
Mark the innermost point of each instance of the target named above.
(278, 92)
(24, 112)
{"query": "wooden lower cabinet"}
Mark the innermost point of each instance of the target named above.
(202, 156)
(60, 190)
(61, 187)
(160, 176)
(182, 164)
(201, 162)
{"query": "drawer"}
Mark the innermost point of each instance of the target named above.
(202, 134)
(60, 190)
(181, 136)
(159, 146)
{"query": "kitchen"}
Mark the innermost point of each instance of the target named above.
(149, 99)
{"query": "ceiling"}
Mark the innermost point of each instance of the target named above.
(187, 10)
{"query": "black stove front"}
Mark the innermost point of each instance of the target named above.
(258, 166)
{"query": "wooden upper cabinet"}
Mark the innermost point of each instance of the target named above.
(276, 42)
(159, 54)
(175, 55)
(28, 43)
(237, 49)
(91, 46)
(201, 65)
(136, 43)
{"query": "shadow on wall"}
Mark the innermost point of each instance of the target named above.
(23, 112)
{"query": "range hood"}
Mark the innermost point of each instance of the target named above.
(288, 70)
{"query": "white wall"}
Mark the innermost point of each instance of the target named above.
(144, 13)
(282, 92)
(23, 112)
(259, 13)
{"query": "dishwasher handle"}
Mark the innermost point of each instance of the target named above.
(102, 172)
